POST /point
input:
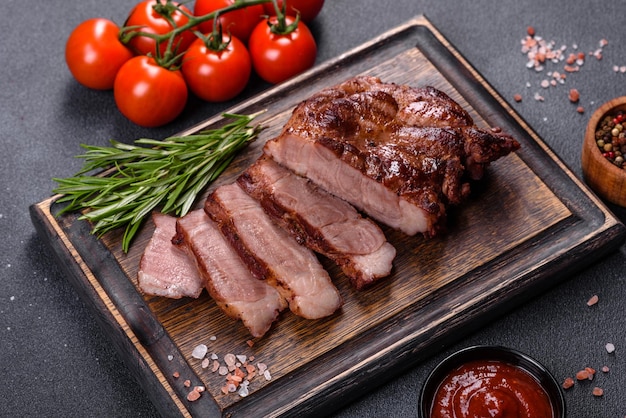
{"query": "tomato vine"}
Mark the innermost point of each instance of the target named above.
(277, 45)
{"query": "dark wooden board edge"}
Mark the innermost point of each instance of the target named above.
(137, 314)
(108, 321)
(330, 391)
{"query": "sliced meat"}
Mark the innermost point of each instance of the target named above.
(321, 221)
(165, 270)
(401, 155)
(228, 280)
(272, 254)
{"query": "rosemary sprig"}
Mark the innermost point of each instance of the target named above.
(169, 174)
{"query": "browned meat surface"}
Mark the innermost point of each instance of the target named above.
(165, 270)
(272, 254)
(227, 278)
(400, 154)
(321, 221)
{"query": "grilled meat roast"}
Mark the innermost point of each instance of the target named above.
(400, 154)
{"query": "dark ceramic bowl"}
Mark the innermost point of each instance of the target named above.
(491, 353)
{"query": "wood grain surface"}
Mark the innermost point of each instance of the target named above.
(526, 225)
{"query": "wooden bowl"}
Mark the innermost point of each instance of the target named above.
(604, 178)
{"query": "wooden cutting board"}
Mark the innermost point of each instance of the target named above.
(528, 224)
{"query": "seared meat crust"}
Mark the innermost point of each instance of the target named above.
(417, 143)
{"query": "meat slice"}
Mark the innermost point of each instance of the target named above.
(321, 221)
(165, 270)
(227, 278)
(400, 154)
(272, 254)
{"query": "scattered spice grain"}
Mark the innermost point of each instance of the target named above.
(584, 375)
(574, 96)
(598, 391)
(199, 351)
(193, 396)
(517, 98)
(568, 383)
(592, 300)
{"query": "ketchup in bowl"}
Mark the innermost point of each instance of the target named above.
(490, 389)
(494, 382)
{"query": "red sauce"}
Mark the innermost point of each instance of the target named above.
(490, 389)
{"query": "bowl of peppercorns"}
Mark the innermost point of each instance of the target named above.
(604, 151)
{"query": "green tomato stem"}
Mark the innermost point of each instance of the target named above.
(168, 58)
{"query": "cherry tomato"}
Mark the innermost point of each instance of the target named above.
(277, 57)
(148, 94)
(94, 53)
(308, 9)
(216, 76)
(144, 15)
(240, 23)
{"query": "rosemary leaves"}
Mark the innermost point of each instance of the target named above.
(136, 179)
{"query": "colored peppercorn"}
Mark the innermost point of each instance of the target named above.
(611, 138)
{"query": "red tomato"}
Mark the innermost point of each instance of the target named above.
(276, 57)
(148, 94)
(308, 9)
(94, 53)
(216, 76)
(240, 23)
(144, 15)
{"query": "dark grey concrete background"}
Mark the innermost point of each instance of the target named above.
(55, 361)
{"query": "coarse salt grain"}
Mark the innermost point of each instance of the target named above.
(592, 300)
(199, 351)
(205, 363)
(568, 383)
(193, 396)
(230, 359)
(243, 390)
(261, 367)
(610, 348)
(584, 375)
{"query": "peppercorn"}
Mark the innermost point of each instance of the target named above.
(610, 138)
